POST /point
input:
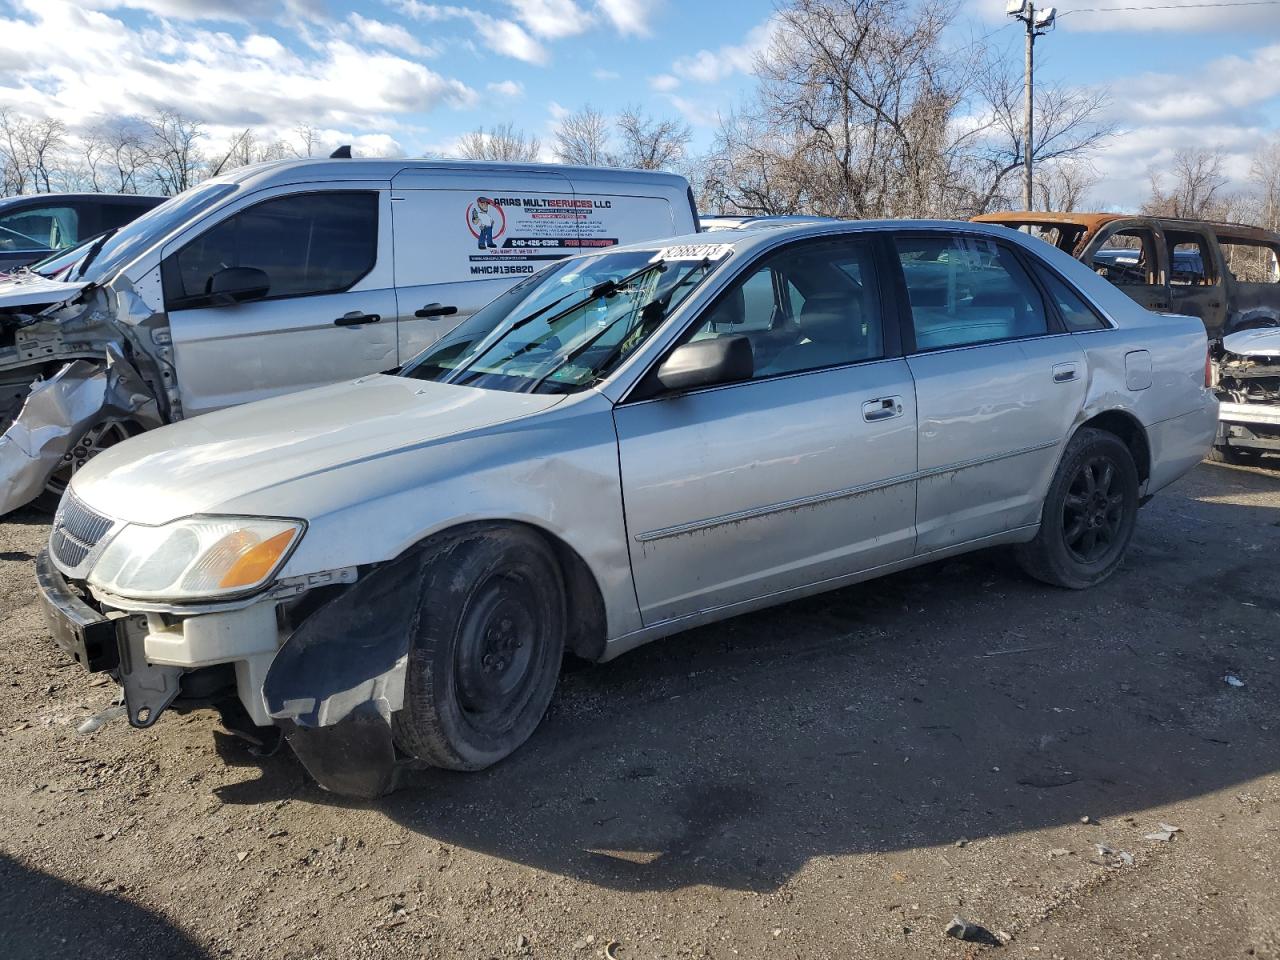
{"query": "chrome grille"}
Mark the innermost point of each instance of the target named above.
(76, 531)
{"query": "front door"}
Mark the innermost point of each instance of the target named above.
(1130, 255)
(1197, 287)
(800, 475)
(329, 312)
(998, 387)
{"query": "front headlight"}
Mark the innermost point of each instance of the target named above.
(197, 558)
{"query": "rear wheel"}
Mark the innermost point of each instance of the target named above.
(486, 656)
(1089, 514)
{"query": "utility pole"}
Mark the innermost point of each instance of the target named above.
(1038, 23)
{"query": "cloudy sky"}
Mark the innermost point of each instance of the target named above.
(408, 76)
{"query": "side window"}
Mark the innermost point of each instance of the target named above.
(1190, 263)
(39, 228)
(803, 309)
(966, 290)
(1128, 258)
(1076, 314)
(306, 244)
(1251, 261)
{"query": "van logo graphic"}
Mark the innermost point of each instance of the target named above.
(487, 221)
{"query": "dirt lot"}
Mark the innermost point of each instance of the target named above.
(833, 778)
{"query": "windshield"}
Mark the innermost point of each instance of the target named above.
(134, 237)
(566, 327)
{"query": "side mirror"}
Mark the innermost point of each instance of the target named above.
(236, 285)
(704, 363)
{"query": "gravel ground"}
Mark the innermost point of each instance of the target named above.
(837, 777)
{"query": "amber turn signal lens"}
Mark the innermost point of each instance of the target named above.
(258, 561)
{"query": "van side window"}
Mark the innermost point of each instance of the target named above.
(968, 290)
(1078, 316)
(306, 244)
(40, 228)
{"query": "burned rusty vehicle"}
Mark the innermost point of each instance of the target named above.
(630, 443)
(1226, 274)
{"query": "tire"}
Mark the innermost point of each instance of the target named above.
(97, 438)
(1089, 514)
(485, 658)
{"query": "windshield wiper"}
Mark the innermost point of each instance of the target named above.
(605, 289)
(94, 251)
(654, 305)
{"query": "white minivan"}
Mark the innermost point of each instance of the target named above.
(282, 276)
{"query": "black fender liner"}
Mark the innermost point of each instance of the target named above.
(335, 682)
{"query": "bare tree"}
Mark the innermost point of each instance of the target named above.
(175, 158)
(1192, 188)
(583, 137)
(1068, 126)
(1264, 176)
(649, 143)
(32, 152)
(502, 142)
(246, 148)
(116, 155)
(1064, 185)
(307, 140)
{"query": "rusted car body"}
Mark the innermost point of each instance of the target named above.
(1226, 274)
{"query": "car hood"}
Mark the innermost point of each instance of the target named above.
(31, 289)
(1263, 342)
(212, 463)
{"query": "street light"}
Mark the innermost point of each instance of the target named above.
(1038, 23)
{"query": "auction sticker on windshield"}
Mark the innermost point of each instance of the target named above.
(693, 251)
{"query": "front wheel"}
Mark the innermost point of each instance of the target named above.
(1089, 514)
(101, 436)
(486, 656)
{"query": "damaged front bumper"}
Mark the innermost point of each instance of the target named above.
(1249, 407)
(323, 658)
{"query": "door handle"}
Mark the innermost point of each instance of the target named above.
(1064, 372)
(355, 318)
(434, 310)
(882, 408)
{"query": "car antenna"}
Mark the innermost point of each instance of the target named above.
(342, 153)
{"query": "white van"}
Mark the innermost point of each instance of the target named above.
(281, 276)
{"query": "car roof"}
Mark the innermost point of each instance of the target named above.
(385, 168)
(1091, 222)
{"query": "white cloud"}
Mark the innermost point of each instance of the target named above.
(77, 64)
(664, 83)
(630, 17)
(1217, 89)
(507, 88)
(606, 75)
(551, 19)
(389, 35)
(501, 36)
(712, 66)
(229, 10)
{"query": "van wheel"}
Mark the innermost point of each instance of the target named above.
(1234, 455)
(1088, 516)
(97, 438)
(486, 653)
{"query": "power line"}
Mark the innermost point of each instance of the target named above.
(1175, 6)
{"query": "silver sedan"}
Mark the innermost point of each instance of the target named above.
(627, 444)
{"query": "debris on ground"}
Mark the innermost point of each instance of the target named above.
(970, 932)
(1059, 852)
(1233, 681)
(102, 718)
(1113, 857)
(1164, 834)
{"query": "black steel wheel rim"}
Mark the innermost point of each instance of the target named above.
(1093, 510)
(498, 638)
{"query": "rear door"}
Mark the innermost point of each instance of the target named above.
(464, 236)
(330, 310)
(998, 385)
(1196, 283)
(800, 475)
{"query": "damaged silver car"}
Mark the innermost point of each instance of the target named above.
(1248, 373)
(631, 443)
(278, 277)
